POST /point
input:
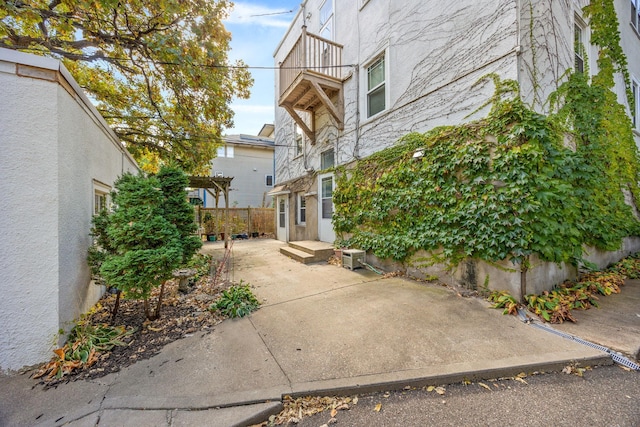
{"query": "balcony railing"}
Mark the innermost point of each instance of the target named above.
(311, 53)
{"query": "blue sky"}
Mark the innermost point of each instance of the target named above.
(256, 28)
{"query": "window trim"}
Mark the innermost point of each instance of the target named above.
(580, 52)
(635, 17)
(266, 180)
(364, 100)
(101, 190)
(300, 198)
(322, 157)
(329, 22)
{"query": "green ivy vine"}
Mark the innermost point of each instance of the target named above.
(513, 184)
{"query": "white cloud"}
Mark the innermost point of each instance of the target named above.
(254, 14)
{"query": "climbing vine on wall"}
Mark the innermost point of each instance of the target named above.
(511, 185)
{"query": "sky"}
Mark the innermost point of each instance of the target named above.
(256, 27)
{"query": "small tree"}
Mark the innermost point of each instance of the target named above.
(177, 209)
(144, 246)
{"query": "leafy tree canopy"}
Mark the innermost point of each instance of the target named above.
(158, 71)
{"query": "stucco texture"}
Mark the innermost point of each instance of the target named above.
(55, 148)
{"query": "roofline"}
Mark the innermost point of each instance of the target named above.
(52, 64)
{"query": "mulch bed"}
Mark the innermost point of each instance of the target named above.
(181, 316)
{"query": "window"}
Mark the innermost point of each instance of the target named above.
(299, 138)
(635, 14)
(327, 197)
(268, 180)
(326, 159)
(326, 20)
(635, 108)
(225, 151)
(376, 94)
(281, 213)
(301, 203)
(579, 47)
(100, 197)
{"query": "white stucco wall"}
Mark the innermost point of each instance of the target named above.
(54, 145)
(434, 56)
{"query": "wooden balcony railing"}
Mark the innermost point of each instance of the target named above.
(311, 53)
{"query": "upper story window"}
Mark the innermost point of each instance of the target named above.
(326, 159)
(299, 139)
(225, 151)
(635, 14)
(376, 92)
(326, 20)
(579, 32)
(268, 180)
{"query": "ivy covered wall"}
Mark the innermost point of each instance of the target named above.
(512, 185)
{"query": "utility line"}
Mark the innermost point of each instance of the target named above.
(239, 67)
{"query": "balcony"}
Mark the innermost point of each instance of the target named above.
(310, 77)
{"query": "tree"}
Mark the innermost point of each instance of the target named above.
(144, 246)
(177, 210)
(157, 71)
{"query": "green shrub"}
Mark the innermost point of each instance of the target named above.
(237, 301)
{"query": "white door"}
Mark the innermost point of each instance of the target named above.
(326, 185)
(281, 229)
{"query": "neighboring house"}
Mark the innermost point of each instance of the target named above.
(249, 160)
(357, 75)
(59, 161)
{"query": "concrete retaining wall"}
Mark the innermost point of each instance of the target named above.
(502, 276)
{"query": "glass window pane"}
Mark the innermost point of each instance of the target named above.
(327, 187)
(281, 213)
(375, 74)
(220, 151)
(326, 11)
(230, 151)
(326, 159)
(327, 208)
(376, 101)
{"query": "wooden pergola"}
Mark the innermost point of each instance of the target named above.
(216, 185)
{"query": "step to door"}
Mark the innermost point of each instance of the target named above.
(298, 255)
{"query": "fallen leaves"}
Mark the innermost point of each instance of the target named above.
(575, 370)
(483, 385)
(295, 409)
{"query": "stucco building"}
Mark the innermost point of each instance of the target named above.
(249, 160)
(355, 76)
(59, 161)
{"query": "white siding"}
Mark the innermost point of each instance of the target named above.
(54, 145)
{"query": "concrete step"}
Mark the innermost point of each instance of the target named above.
(298, 255)
(321, 250)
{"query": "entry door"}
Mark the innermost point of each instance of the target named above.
(326, 185)
(281, 229)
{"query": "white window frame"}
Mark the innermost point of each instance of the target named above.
(301, 211)
(364, 101)
(101, 196)
(266, 180)
(635, 15)
(322, 157)
(580, 52)
(635, 108)
(328, 22)
(225, 151)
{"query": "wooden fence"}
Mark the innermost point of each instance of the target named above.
(251, 221)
